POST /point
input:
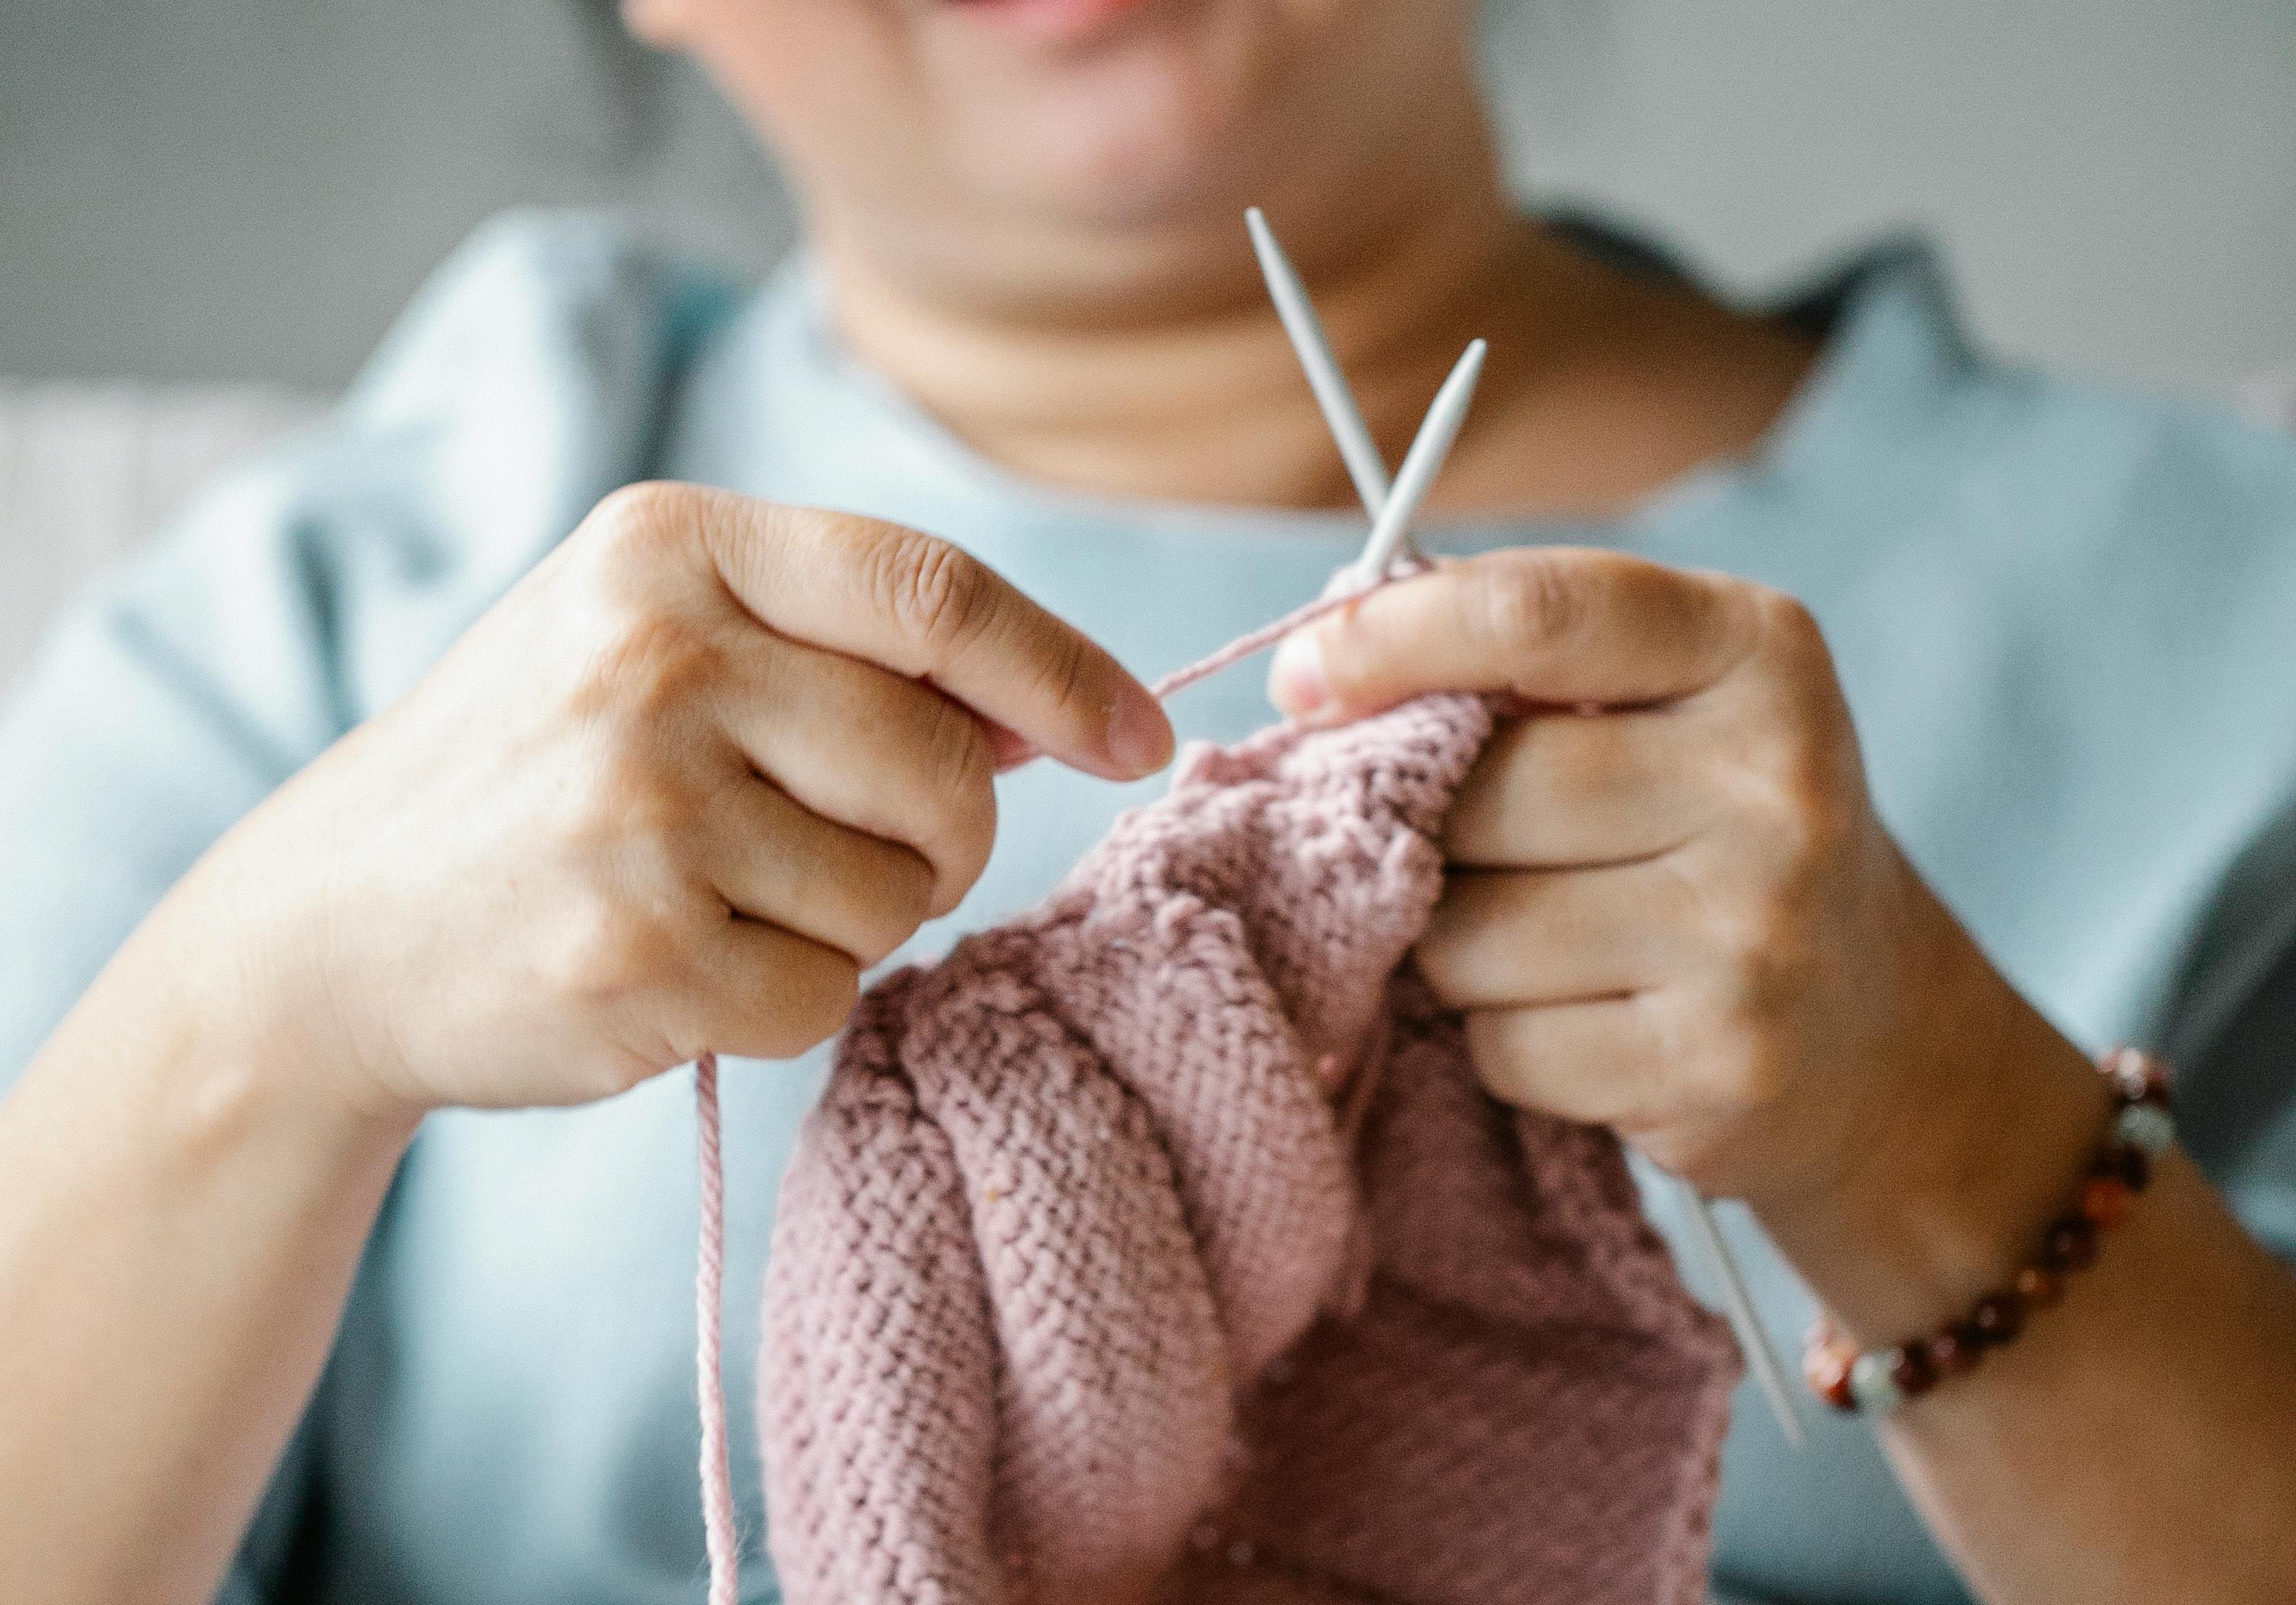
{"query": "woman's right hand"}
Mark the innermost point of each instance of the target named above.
(707, 763)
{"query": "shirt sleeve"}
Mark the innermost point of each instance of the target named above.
(122, 759)
(2230, 1028)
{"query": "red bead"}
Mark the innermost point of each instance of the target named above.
(1911, 1371)
(1825, 1368)
(2072, 1245)
(1954, 1350)
(2104, 1200)
(2039, 1287)
(1997, 1319)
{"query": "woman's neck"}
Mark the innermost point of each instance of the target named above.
(1155, 367)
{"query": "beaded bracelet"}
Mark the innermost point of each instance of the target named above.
(1878, 1381)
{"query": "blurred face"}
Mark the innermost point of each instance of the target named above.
(929, 119)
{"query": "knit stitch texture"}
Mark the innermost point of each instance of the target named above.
(1158, 1245)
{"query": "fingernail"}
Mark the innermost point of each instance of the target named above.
(1296, 681)
(1139, 735)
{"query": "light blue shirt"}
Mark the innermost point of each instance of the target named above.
(2065, 618)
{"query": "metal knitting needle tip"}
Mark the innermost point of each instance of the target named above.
(1421, 464)
(1738, 1305)
(1345, 419)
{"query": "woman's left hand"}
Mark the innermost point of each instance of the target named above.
(1671, 910)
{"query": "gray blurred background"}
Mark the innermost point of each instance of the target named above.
(247, 189)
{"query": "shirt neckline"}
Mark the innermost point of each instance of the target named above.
(1893, 346)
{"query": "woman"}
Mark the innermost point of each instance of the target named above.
(568, 807)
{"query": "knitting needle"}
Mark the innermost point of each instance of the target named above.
(1337, 398)
(1392, 524)
(1738, 1304)
(1344, 418)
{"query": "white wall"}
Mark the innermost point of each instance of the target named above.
(247, 188)
(2115, 180)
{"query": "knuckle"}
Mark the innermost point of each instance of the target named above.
(635, 519)
(956, 748)
(607, 953)
(964, 824)
(1743, 1066)
(1800, 775)
(910, 893)
(1788, 623)
(1063, 667)
(655, 665)
(1526, 601)
(1813, 799)
(1766, 947)
(623, 822)
(933, 590)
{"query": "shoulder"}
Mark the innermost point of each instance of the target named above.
(2069, 521)
(2141, 537)
(531, 374)
(1907, 417)
(534, 297)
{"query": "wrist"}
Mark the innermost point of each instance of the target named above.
(252, 1033)
(1991, 1124)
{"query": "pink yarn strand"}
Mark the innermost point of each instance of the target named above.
(718, 1532)
(1256, 641)
(1353, 589)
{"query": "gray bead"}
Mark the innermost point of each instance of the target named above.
(2143, 1125)
(1876, 1391)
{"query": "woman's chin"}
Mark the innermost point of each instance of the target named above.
(1163, 117)
(1112, 174)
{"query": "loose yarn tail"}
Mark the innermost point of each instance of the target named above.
(708, 1360)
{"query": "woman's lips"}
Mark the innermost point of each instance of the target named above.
(1065, 19)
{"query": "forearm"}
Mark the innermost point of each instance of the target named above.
(2137, 1442)
(179, 1226)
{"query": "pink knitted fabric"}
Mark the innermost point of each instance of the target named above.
(1158, 1245)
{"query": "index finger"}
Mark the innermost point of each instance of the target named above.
(924, 607)
(1552, 625)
